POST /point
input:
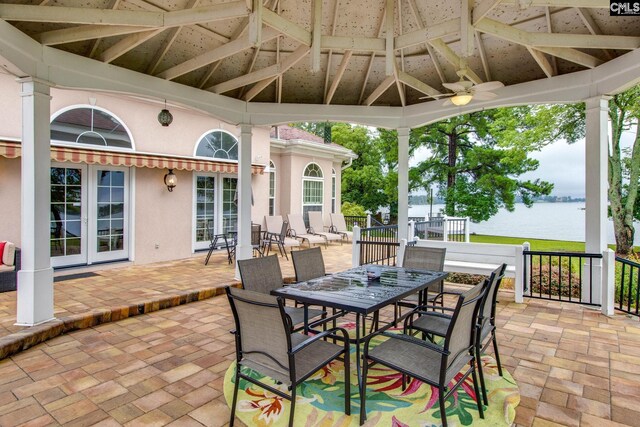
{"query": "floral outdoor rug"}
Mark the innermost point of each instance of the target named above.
(320, 400)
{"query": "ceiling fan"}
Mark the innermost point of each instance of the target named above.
(464, 91)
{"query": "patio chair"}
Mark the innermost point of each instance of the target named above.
(434, 364)
(422, 258)
(264, 275)
(485, 325)
(257, 242)
(277, 233)
(298, 230)
(316, 226)
(308, 264)
(339, 226)
(264, 343)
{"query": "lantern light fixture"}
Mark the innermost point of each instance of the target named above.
(170, 180)
(164, 117)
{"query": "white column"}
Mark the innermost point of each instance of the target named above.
(35, 279)
(243, 248)
(596, 185)
(355, 247)
(403, 182)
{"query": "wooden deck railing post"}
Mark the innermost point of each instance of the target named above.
(355, 253)
(608, 282)
(521, 279)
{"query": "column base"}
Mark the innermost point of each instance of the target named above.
(35, 297)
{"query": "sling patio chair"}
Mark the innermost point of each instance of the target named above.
(308, 264)
(339, 226)
(485, 324)
(316, 226)
(257, 240)
(277, 233)
(265, 344)
(298, 230)
(264, 275)
(422, 258)
(433, 364)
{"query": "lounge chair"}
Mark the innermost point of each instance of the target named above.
(264, 343)
(277, 233)
(298, 230)
(316, 226)
(339, 226)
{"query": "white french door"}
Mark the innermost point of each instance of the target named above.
(89, 214)
(215, 207)
(68, 239)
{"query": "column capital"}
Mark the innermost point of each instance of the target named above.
(600, 102)
(31, 85)
(403, 131)
(245, 128)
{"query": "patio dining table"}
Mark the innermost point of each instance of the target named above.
(362, 291)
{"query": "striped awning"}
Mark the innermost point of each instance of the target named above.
(13, 150)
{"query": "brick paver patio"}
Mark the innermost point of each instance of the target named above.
(573, 365)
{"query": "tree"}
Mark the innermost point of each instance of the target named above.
(476, 158)
(624, 167)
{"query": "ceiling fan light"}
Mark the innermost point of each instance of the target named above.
(461, 100)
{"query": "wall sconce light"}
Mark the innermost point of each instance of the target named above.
(165, 118)
(170, 180)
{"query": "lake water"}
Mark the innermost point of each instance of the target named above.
(556, 221)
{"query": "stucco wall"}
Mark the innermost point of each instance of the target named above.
(10, 200)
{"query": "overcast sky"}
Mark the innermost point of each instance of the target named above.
(560, 163)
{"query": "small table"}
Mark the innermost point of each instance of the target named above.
(352, 291)
(229, 246)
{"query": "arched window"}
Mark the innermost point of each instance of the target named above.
(333, 190)
(312, 189)
(90, 125)
(218, 144)
(272, 188)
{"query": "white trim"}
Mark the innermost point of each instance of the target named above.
(312, 179)
(132, 210)
(77, 144)
(272, 170)
(197, 246)
(195, 149)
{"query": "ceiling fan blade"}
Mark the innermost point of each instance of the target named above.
(488, 86)
(447, 102)
(456, 87)
(436, 96)
(484, 96)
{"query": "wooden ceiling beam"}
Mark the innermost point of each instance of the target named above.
(433, 32)
(592, 4)
(316, 34)
(466, 28)
(542, 61)
(125, 45)
(271, 71)
(336, 79)
(214, 55)
(483, 56)
(286, 27)
(276, 70)
(454, 59)
(144, 18)
(389, 25)
(377, 92)
(482, 9)
(327, 74)
(593, 27)
(416, 16)
(416, 84)
(85, 32)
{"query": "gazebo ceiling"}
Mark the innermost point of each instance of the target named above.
(341, 52)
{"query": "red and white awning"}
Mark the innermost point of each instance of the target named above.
(13, 150)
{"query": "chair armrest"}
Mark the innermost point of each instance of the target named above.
(417, 341)
(423, 308)
(333, 229)
(328, 332)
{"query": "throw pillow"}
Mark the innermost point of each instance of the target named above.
(2, 251)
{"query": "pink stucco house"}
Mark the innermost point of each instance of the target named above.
(109, 158)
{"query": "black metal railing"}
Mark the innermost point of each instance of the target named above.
(627, 292)
(560, 276)
(379, 245)
(434, 229)
(353, 220)
(375, 222)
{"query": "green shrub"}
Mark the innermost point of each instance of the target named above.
(353, 209)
